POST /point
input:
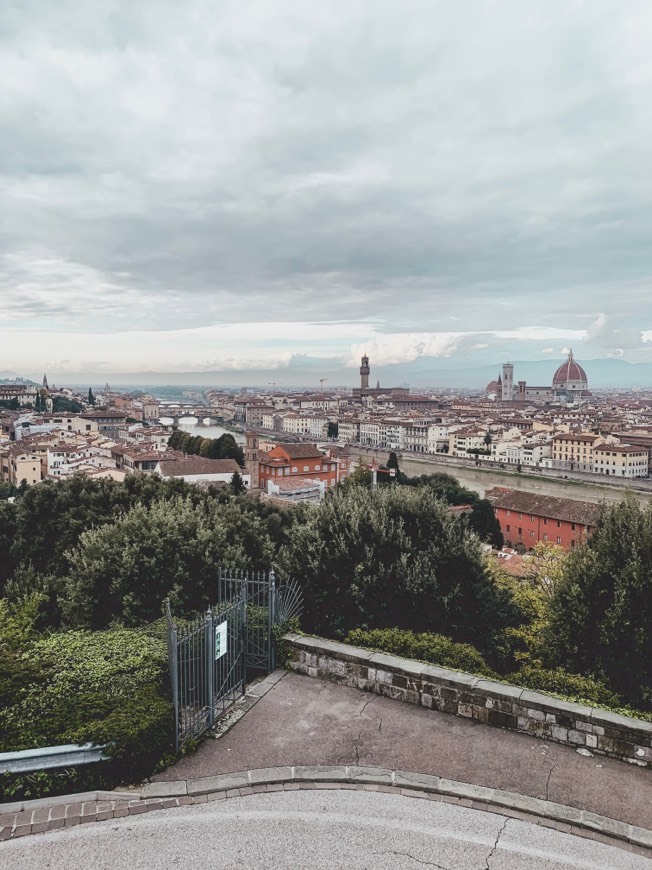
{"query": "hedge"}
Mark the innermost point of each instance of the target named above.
(435, 649)
(107, 688)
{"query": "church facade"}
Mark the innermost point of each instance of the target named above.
(568, 384)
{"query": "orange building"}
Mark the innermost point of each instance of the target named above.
(528, 517)
(298, 460)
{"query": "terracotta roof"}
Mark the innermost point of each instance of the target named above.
(569, 371)
(197, 465)
(301, 451)
(549, 506)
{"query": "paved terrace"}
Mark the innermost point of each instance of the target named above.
(306, 721)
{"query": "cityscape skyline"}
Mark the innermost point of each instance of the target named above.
(264, 190)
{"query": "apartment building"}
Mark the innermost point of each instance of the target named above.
(620, 460)
(527, 518)
(573, 452)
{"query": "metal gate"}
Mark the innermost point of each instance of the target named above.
(258, 591)
(212, 656)
(207, 667)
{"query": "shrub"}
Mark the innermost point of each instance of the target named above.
(106, 688)
(432, 648)
(573, 687)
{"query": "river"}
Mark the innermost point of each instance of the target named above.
(480, 480)
(190, 425)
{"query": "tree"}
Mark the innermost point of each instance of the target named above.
(333, 429)
(392, 463)
(91, 397)
(545, 568)
(601, 611)
(237, 484)
(62, 405)
(396, 557)
(171, 549)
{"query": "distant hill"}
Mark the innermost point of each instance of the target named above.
(13, 378)
(422, 373)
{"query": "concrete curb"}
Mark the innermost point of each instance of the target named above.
(163, 795)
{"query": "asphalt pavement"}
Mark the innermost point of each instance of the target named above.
(316, 829)
(306, 721)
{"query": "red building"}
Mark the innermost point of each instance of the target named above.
(298, 460)
(528, 517)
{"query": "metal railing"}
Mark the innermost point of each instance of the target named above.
(48, 757)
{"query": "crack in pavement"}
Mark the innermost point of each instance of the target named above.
(366, 704)
(418, 860)
(550, 772)
(495, 846)
(355, 748)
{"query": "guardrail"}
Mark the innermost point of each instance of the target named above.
(71, 755)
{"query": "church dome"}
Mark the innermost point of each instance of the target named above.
(570, 374)
(492, 387)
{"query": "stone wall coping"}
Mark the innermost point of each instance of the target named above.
(538, 699)
(464, 681)
(612, 719)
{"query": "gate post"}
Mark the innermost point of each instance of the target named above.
(271, 617)
(210, 667)
(173, 664)
(244, 634)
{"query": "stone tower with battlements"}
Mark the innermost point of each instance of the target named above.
(364, 373)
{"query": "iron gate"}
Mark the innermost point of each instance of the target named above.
(212, 656)
(258, 591)
(207, 667)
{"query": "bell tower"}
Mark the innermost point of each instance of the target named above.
(508, 383)
(364, 373)
(251, 459)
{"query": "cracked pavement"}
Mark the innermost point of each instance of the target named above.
(305, 721)
(319, 830)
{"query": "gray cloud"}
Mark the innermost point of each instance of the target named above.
(178, 164)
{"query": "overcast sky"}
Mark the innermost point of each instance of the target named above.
(233, 185)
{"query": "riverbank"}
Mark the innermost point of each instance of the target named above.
(481, 478)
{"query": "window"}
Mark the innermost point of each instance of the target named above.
(532, 518)
(559, 524)
(316, 468)
(545, 521)
(572, 543)
(507, 528)
(558, 539)
(545, 536)
(573, 526)
(306, 468)
(520, 530)
(531, 534)
(520, 516)
(294, 469)
(508, 513)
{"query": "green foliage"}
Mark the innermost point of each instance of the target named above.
(106, 688)
(394, 557)
(171, 549)
(237, 484)
(9, 404)
(601, 611)
(392, 462)
(435, 649)
(333, 429)
(17, 627)
(62, 405)
(224, 447)
(91, 397)
(481, 520)
(572, 687)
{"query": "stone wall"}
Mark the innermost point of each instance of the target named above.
(484, 700)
